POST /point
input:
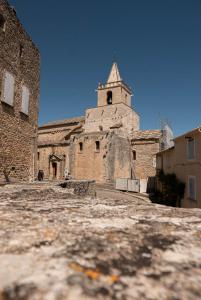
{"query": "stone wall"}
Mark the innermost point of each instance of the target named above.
(144, 162)
(88, 163)
(18, 131)
(80, 188)
(58, 246)
(119, 117)
(112, 160)
(118, 159)
(119, 94)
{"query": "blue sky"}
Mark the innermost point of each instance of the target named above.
(156, 43)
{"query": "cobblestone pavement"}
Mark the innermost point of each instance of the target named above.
(57, 246)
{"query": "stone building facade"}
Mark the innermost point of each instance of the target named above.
(19, 96)
(145, 145)
(103, 156)
(184, 160)
(54, 142)
(105, 144)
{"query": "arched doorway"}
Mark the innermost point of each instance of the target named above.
(56, 166)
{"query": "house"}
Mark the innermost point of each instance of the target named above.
(19, 96)
(184, 160)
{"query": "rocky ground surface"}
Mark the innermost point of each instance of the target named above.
(58, 246)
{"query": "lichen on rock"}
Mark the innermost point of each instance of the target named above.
(57, 245)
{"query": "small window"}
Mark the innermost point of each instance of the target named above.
(80, 146)
(192, 187)
(2, 23)
(21, 49)
(97, 146)
(109, 97)
(134, 155)
(8, 89)
(38, 155)
(190, 148)
(25, 100)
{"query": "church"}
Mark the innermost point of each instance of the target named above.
(103, 145)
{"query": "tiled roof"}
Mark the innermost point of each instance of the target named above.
(146, 134)
(49, 143)
(62, 122)
(194, 130)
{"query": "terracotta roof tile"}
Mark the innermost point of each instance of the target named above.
(49, 143)
(65, 121)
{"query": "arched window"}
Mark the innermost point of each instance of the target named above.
(109, 97)
(97, 145)
(80, 146)
(21, 49)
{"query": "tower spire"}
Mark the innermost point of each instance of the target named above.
(114, 75)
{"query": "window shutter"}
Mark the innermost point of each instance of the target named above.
(191, 186)
(25, 100)
(8, 91)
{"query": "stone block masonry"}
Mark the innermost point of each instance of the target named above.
(80, 188)
(100, 156)
(19, 96)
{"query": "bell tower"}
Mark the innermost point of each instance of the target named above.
(113, 111)
(115, 90)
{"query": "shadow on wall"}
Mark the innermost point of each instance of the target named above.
(8, 109)
(169, 190)
(151, 185)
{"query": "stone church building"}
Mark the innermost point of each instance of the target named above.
(105, 144)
